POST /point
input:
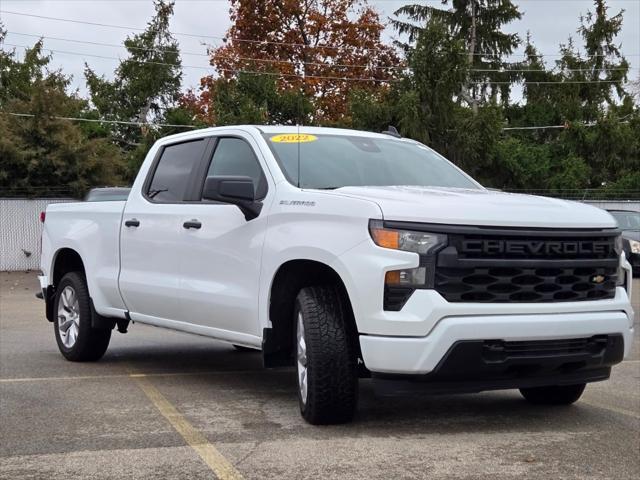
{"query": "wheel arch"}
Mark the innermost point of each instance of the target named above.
(65, 260)
(290, 277)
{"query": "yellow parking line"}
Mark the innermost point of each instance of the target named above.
(622, 411)
(126, 375)
(208, 453)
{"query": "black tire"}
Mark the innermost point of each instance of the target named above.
(240, 348)
(553, 395)
(331, 357)
(91, 343)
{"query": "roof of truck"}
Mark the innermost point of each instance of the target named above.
(268, 129)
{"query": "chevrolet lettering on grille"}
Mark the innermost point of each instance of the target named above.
(537, 247)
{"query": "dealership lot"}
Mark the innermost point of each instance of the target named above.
(164, 404)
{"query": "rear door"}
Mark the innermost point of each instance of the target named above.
(221, 258)
(152, 235)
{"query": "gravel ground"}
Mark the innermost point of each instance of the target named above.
(104, 420)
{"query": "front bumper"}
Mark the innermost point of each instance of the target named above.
(475, 365)
(421, 355)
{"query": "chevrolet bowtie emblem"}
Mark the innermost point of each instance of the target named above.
(597, 279)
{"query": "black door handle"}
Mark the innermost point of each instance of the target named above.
(192, 224)
(134, 222)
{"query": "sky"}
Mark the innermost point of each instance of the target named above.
(549, 21)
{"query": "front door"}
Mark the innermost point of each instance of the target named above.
(222, 251)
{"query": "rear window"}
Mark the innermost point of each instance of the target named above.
(171, 177)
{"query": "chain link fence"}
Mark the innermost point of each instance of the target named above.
(20, 230)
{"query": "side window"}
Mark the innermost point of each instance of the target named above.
(234, 156)
(172, 174)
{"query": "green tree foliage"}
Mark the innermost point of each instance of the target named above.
(451, 90)
(144, 88)
(43, 155)
(477, 25)
(255, 99)
(600, 144)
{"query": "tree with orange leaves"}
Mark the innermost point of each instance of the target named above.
(320, 49)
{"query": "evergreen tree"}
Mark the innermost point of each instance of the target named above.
(145, 85)
(478, 24)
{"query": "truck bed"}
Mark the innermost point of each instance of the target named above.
(93, 230)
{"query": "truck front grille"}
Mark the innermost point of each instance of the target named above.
(520, 284)
(527, 266)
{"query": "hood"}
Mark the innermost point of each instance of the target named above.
(479, 207)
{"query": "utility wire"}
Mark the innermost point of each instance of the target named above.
(94, 120)
(317, 77)
(264, 42)
(162, 50)
(274, 61)
(102, 44)
(192, 35)
(107, 57)
(230, 70)
(546, 127)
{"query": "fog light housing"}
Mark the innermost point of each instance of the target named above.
(412, 277)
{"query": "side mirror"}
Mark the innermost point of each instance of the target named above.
(235, 190)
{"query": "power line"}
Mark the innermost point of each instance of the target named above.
(162, 50)
(317, 77)
(318, 64)
(544, 127)
(551, 82)
(516, 70)
(66, 52)
(94, 120)
(264, 42)
(192, 35)
(548, 127)
(229, 70)
(102, 44)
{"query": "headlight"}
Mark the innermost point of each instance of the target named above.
(621, 277)
(618, 245)
(422, 243)
(635, 246)
(426, 244)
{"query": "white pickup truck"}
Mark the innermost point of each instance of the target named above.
(345, 254)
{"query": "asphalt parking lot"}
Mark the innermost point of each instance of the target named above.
(167, 405)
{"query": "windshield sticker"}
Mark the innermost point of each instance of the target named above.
(293, 138)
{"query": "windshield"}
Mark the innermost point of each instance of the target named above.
(334, 161)
(627, 220)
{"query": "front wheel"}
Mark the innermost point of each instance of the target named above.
(326, 362)
(77, 340)
(553, 395)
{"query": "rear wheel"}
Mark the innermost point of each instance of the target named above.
(77, 340)
(325, 357)
(553, 395)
